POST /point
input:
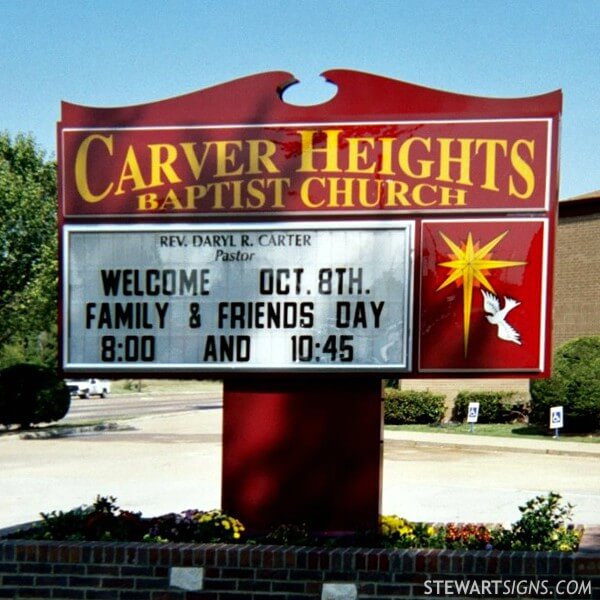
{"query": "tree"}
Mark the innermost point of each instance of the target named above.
(28, 252)
(31, 394)
(574, 385)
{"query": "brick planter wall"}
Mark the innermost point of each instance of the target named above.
(116, 571)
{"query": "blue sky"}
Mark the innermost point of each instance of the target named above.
(119, 52)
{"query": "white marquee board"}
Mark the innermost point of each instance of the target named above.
(253, 297)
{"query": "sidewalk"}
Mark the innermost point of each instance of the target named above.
(505, 444)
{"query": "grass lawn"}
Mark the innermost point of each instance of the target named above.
(519, 430)
(157, 386)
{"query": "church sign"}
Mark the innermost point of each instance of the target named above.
(400, 231)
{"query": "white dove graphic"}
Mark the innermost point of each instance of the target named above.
(497, 316)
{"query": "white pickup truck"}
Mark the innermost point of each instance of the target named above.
(84, 388)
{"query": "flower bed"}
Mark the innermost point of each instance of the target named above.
(544, 525)
(167, 558)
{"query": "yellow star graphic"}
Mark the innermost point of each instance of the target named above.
(468, 268)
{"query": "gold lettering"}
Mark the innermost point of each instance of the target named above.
(308, 150)
(463, 160)
(81, 171)
(193, 193)
(171, 201)
(523, 168)
(490, 161)
(363, 192)
(147, 201)
(356, 155)
(195, 165)
(449, 194)
(306, 191)
(162, 157)
(335, 183)
(236, 186)
(417, 194)
(217, 189)
(278, 184)
(385, 158)
(226, 157)
(262, 157)
(404, 154)
(256, 194)
(131, 171)
(396, 193)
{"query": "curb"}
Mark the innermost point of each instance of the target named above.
(489, 446)
(76, 430)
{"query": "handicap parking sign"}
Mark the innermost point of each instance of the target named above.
(473, 412)
(556, 417)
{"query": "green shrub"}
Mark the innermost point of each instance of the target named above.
(545, 525)
(574, 385)
(290, 535)
(494, 407)
(103, 521)
(32, 394)
(134, 385)
(62, 525)
(406, 407)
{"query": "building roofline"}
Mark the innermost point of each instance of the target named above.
(586, 204)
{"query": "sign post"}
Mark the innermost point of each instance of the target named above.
(556, 419)
(303, 254)
(473, 415)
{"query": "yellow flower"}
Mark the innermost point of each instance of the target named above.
(564, 547)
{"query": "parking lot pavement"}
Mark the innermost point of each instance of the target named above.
(172, 462)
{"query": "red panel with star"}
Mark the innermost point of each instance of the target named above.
(483, 298)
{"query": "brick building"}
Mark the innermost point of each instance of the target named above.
(577, 269)
(576, 293)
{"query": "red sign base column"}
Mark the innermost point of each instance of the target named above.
(303, 449)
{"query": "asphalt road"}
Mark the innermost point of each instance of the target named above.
(123, 406)
(171, 462)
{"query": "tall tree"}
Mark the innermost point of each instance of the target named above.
(28, 252)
